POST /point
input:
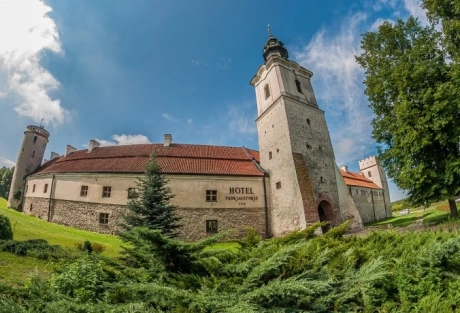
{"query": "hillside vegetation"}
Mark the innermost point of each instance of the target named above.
(27, 227)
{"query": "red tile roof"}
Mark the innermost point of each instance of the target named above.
(356, 179)
(175, 159)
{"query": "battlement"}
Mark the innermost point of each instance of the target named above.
(368, 162)
(38, 130)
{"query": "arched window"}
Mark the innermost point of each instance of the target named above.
(35, 139)
(297, 84)
(267, 91)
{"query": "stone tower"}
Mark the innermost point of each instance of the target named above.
(371, 168)
(294, 144)
(30, 157)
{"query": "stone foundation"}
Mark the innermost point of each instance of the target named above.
(85, 215)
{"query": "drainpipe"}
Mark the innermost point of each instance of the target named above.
(384, 203)
(50, 198)
(373, 205)
(267, 228)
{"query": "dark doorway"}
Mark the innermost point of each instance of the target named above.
(323, 209)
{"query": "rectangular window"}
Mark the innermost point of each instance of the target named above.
(35, 139)
(45, 189)
(132, 193)
(211, 195)
(31, 207)
(297, 84)
(27, 188)
(278, 185)
(211, 226)
(33, 188)
(104, 218)
(106, 191)
(369, 173)
(83, 191)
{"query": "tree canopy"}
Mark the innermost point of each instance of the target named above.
(412, 85)
(150, 205)
(6, 175)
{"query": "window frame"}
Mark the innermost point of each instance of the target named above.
(212, 226)
(103, 218)
(211, 195)
(106, 191)
(83, 190)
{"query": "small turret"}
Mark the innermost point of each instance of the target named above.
(30, 157)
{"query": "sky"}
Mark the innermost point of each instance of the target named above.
(125, 72)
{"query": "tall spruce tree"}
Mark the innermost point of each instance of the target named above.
(412, 87)
(150, 206)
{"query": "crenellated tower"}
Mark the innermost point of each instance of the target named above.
(30, 157)
(294, 144)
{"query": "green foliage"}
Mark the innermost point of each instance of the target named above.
(302, 272)
(89, 247)
(412, 86)
(6, 176)
(37, 248)
(6, 232)
(151, 208)
(252, 238)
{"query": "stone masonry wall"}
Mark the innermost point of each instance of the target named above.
(85, 215)
(370, 203)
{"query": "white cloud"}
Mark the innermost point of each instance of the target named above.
(189, 121)
(240, 121)
(415, 9)
(26, 31)
(380, 21)
(118, 140)
(7, 163)
(169, 117)
(339, 88)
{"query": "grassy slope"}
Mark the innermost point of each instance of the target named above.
(430, 215)
(28, 227)
(16, 270)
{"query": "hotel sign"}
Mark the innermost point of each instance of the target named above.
(241, 194)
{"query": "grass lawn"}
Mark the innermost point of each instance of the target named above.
(29, 227)
(16, 270)
(430, 216)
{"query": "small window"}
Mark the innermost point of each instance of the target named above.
(132, 193)
(308, 147)
(369, 174)
(31, 207)
(45, 189)
(278, 185)
(297, 84)
(322, 179)
(270, 155)
(104, 218)
(356, 192)
(267, 91)
(35, 139)
(106, 191)
(211, 226)
(277, 150)
(308, 121)
(27, 187)
(211, 195)
(33, 154)
(83, 191)
(33, 188)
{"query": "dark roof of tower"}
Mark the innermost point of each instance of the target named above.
(275, 45)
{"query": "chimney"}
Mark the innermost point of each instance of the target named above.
(345, 168)
(93, 144)
(168, 140)
(69, 149)
(54, 155)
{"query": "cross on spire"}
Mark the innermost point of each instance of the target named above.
(269, 31)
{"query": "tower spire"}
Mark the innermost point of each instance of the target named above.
(274, 46)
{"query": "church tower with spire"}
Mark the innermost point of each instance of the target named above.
(294, 144)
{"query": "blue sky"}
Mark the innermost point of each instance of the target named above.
(130, 71)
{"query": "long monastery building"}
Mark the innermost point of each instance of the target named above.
(291, 182)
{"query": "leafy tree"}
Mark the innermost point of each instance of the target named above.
(413, 91)
(150, 206)
(6, 175)
(6, 232)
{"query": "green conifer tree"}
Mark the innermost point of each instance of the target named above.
(150, 205)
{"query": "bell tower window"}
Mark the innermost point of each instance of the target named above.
(267, 91)
(297, 84)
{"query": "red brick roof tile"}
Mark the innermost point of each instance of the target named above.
(356, 179)
(175, 159)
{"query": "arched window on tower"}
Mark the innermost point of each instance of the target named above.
(267, 91)
(35, 139)
(297, 84)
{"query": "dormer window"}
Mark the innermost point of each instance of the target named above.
(267, 91)
(297, 84)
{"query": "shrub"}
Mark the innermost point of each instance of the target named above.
(6, 232)
(89, 247)
(252, 238)
(37, 248)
